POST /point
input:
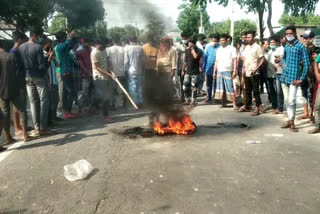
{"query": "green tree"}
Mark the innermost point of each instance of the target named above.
(82, 13)
(124, 33)
(239, 27)
(307, 19)
(95, 31)
(58, 24)
(25, 13)
(189, 19)
(293, 7)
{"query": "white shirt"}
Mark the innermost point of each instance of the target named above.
(116, 59)
(134, 59)
(225, 57)
(100, 57)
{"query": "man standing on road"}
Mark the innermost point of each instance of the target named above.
(306, 88)
(134, 61)
(12, 89)
(317, 99)
(193, 63)
(225, 70)
(272, 72)
(253, 61)
(66, 73)
(209, 60)
(274, 69)
(101, 77)
(84, 59)
(35, 66)
(291, 78)
(18, 38)
(115, 55)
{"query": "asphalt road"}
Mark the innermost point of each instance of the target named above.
(214, 171)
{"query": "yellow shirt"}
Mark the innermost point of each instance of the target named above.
(151, 56)
(167, 63)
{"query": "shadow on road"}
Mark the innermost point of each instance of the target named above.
(69, 138)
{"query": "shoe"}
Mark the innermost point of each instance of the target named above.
(69, 115)
(314, 131)
(286, 125)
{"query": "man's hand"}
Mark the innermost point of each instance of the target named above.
(284, 65)
(182, 73)
(234, 75)
(215, 76)
(297, 82)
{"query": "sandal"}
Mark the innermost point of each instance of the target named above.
(293, 128)
(286, 126)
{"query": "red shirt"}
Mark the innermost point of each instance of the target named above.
(84, 56)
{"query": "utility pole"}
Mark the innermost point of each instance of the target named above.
(201, 29)
(232, 21)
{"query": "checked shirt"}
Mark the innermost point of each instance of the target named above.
(209, 59)
(292, 58)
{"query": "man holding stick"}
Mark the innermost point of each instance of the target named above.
(101, 77)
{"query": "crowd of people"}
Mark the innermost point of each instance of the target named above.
(55, 76)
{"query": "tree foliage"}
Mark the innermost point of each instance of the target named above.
(293, 7)
(239, 27)
(189, 19)
(82, 13)
(123, 33)
(307, 19)
(58, 24)
(25, 13)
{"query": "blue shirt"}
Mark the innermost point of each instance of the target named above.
(209, 59)
(65, 59)
(293, 56)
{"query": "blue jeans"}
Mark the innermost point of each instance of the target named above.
(38, 94)
(271, 86)
(279, 93)
(135, 88)
(211, 86)
(69, 92)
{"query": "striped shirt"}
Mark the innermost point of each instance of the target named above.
(293, 56)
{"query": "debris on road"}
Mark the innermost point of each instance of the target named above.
(254, 142)
(78, 170)
(273, 135)
(51, 181)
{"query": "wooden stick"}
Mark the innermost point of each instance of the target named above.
(126, 93)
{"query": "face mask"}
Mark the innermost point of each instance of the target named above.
(185, 41)
(214, 43)
(273, 47)
(290, 38)
(245, 42)
(40, 40)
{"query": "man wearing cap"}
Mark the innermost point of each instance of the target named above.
(306, 88)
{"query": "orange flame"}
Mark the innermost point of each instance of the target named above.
(183, 127)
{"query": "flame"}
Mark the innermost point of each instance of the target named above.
(184, 126)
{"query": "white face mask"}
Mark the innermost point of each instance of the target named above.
(290, 38)
(184, 41)
(214, 43)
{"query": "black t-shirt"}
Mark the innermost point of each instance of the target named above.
(192, 63)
